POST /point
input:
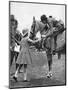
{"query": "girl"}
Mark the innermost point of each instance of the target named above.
(24, 57)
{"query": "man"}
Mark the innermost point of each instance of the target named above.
(12, 33)
(24, 58)
(12, 42)
(48, 31)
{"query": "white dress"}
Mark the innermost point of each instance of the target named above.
(24, 55)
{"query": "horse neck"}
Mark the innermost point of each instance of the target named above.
(38, 26)
(41, 27)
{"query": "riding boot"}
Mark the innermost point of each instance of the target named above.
(49, 75)
(49, 56)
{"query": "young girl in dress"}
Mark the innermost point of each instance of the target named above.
(24, 57)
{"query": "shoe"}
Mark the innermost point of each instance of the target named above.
(49, 75)
(25, 81)
(15, 78)
(54, 52)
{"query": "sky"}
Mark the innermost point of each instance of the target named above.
(24, 13)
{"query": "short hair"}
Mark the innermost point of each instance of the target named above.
(11, 17)
(16, 22)
(43, 17)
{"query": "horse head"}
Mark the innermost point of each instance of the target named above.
(36, 27)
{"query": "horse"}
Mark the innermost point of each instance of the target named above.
(35, 28)
(39, 26)
(60, 34)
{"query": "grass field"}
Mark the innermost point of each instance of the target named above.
(38, 70)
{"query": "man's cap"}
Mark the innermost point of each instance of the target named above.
(43, 17)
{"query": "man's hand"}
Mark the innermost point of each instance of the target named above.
(43, 36)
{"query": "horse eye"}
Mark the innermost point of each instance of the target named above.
(32, 26)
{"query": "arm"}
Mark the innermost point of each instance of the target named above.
(30, 40)
(48, 34)
(33, 41)
(18, 42)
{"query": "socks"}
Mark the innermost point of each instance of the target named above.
(16, 73)
(25, 76)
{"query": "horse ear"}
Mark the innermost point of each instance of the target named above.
(33, 19)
